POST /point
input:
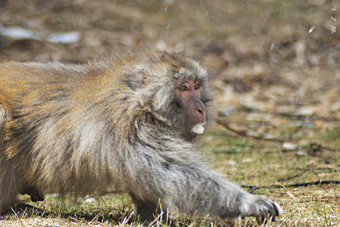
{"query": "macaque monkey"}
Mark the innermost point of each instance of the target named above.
(125, 125)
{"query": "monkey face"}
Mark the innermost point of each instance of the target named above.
(188, 96)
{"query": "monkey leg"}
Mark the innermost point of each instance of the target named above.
(34, 193)
(21, 210)
(147, 210)
(8, 183)
(11, 206)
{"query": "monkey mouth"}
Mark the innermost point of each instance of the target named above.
(198, 128)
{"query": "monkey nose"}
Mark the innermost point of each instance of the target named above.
(200, 109)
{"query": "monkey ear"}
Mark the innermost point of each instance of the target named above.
(134, 78)
(162, 98)
(155, 100)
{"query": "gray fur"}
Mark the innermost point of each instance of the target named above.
(110, 125)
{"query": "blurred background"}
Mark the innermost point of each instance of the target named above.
(275, 72)
(262, 54)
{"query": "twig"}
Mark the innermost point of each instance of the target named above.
(320, 182)
(320, 169)
(304, 170)
(287, 114)
(245, 133)
(291, 177)
(322, 147)
(254, 135)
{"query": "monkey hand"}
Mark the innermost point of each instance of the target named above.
(260, 207)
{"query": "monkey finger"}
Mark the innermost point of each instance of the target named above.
(261, 217)
(278, 209)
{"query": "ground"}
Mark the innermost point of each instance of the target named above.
(275, 75)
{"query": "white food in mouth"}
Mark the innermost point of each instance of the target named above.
(198, 128)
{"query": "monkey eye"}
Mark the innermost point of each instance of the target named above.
(197, 86)
(183, 87)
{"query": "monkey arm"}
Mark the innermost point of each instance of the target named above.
(185, 186)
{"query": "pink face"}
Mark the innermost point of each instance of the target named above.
(189, 94)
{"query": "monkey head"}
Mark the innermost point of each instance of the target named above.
(177, 88)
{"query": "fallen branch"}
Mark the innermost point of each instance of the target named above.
(245, 133)
(320, 182)
(246, 109)
(254, 135)
(319, 146)
(304, 170)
